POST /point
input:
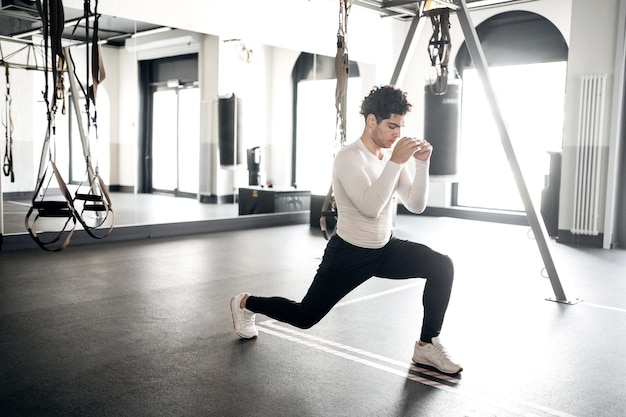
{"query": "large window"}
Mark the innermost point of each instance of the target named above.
(317, 143)
(531, 100)
(527, 58)
(314, 135)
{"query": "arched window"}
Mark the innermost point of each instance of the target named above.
(314, 116)
(527, 57)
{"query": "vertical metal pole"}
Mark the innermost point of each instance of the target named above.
(415, 29)
(537, 225)
(235, 144)
(617, 125)
(1, 204)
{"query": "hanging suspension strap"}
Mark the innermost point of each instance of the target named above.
(439, 48)
(7, 166)
(57, 24)
(97, 64)
(92, 198)
(50, 208)
(342, 70)
(46, 206)
(328, 218)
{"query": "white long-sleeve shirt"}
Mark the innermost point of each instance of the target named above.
(364, 187)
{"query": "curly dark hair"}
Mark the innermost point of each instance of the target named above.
(384, 101)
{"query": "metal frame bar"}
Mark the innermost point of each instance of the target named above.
(417, 25)
(616, 127)
(537, 225)
(480, 62)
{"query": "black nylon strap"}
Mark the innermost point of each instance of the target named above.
(439, 48)
(7, 166)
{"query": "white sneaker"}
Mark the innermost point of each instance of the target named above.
(434, 354)
(243, 319)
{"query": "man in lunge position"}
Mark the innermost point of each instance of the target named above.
(366, 174)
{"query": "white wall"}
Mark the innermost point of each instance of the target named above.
(592, 51)
(303, 25)
(124, 145)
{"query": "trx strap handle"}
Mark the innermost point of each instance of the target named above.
(52, 209)
(329, 215)
(7, 166)
(96, 203)
(64, 236)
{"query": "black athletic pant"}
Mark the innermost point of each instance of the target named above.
(344, 267)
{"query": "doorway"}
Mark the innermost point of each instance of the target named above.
(176, 140)
(170, 126)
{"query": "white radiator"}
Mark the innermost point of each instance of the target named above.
(588, 163)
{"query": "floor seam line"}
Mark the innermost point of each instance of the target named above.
(333, 348)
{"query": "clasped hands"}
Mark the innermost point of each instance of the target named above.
(406, 147)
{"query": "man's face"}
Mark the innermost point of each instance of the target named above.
(387, 131)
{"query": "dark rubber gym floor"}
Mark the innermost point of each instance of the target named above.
(142, 328)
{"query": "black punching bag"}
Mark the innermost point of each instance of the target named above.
(229, 129)
(442, 124)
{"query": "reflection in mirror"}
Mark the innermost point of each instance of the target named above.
(264, 82)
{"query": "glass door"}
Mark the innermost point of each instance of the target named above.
(189, 141)
(176, 141)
